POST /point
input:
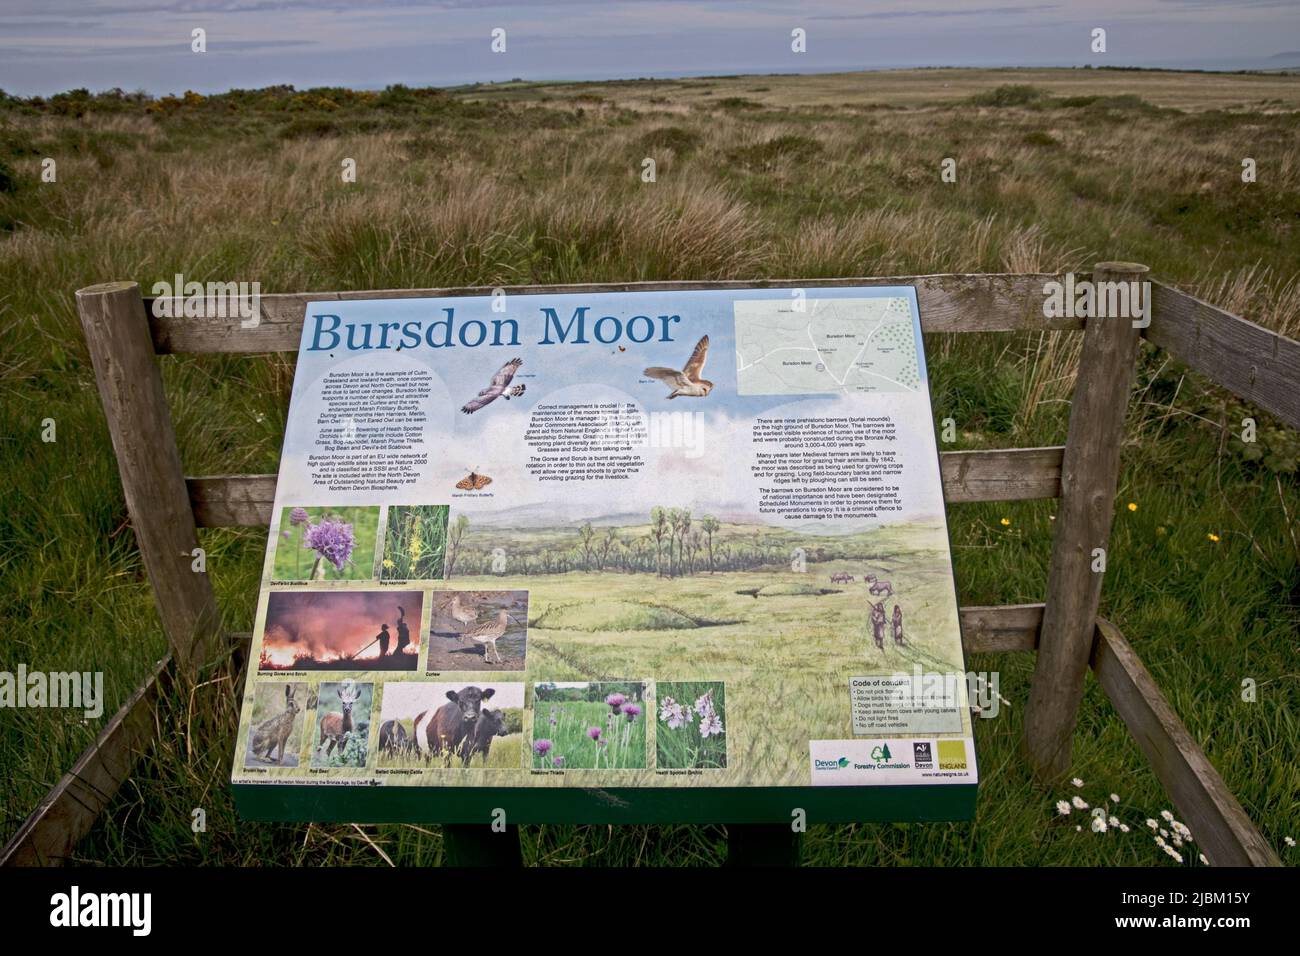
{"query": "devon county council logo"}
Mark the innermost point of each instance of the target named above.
(831, 764)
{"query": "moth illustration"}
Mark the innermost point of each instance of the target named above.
(473, 482)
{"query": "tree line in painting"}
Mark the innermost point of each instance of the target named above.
(675, 543)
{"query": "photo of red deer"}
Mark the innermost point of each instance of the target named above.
(342, 630)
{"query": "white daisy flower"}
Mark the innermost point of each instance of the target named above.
(1079, 803)
(1077, 782)
(1062, 808)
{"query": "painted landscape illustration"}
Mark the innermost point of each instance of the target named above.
(783, 618)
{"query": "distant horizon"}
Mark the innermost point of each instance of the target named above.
(51, 46)
(1226, 70)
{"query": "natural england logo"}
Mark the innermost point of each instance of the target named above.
(82, 691)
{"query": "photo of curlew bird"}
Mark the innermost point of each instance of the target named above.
(687, 382)
(499, 387)
(478, 630)
(486, 635)
(462, 613)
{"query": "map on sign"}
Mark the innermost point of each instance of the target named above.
(825, 346)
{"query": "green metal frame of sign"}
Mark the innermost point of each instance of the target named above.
(332, 803)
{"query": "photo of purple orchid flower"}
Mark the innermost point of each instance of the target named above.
(691, 732)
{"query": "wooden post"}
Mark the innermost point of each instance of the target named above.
(1089, 476)
(144, 441)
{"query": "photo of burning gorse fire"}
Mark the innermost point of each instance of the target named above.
(342, 630)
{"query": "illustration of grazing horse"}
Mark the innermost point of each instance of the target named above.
(878, 586)
(841, 577)
(878, 624)
(898, 625)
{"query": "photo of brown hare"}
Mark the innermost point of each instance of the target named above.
(274, 732)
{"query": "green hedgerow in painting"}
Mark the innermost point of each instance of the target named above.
(691, 732)
(415, 543)
(326, 544)
(589, 726)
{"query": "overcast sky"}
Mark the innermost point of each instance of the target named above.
(52, 45)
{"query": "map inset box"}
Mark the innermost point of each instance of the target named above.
(825, 346)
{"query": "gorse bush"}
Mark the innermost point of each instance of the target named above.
(1013, 94)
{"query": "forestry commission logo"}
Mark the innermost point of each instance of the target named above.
(881, 754)
(922, 757)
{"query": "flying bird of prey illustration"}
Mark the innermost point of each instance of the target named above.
(687, 382)
(500, 386)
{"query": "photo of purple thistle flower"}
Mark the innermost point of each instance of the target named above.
(299, 516)
(542, 747)
(594, 733)
(285, 534)
(558, 761)
(632, 712)
(331, 540)
(616, 702)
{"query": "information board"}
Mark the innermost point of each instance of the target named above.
(636, 556)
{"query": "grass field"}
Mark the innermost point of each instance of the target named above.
(757, 177)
